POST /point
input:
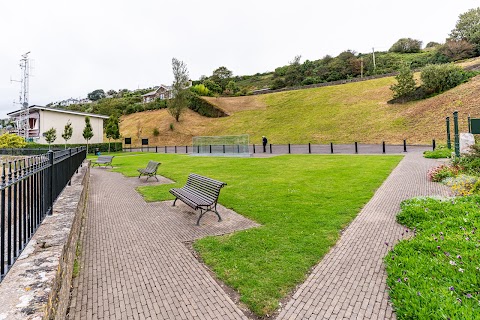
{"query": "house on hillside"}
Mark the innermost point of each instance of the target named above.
(162, 92)
(41, 119)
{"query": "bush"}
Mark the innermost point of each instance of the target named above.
(11, 140)
(102, 147)
(438, 153)
(457, 50)
(156, 133)
(441, 172)
(405, 83)
(439, 78)
(462, 185)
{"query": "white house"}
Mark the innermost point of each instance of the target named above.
(42, 119)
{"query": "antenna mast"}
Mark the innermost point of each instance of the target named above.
(23, 125)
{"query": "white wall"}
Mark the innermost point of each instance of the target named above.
(58, 120)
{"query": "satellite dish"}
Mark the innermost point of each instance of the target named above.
(25, 104)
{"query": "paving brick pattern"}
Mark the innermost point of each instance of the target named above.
(349, 282)
(134, 264)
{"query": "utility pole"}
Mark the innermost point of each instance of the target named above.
(361, 67)
(23, 125)
(374, 64)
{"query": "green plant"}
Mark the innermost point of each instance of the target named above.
(462, 184)
(439, 173)
(435, 274)
(112, 131)
(171, 126)
(156, 133)
(179, 102)
(67, 132)
(405, 85)
(50, 136)
(11, 140)
(87, 131)
(439, 153)
(439, 78)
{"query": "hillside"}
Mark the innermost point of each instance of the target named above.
(339, 114)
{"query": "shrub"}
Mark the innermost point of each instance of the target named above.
(405, 83)
(439, 173)
(201, 90)
(457, 50)
(156, 133)
(172, 126)
(439, 78)
(438, 153)
(11, 140)
(462, 185)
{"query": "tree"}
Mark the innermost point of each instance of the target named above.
(405, 83)
(432, 44)
(112, 131)
(178, 103)
(67, 132)
(406, 45)
(87, 131)
(50, 136)
(457, 49)
(96, 95)
(468, 28)
(221, 76)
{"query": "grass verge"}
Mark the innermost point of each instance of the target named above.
(302, 201)
(436, 274)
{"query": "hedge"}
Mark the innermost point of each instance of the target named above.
(102, 147)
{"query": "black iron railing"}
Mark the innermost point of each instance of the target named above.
(29, 187)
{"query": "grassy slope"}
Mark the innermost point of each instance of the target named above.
(301, 213)
(340, 114)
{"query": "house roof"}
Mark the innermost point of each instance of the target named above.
(35, 107)
(151, 93)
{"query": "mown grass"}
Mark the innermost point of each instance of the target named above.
(302, 202)
(436, 274)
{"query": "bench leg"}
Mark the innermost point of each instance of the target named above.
(202, 212)
(147, 178)
(156, 176)
(174, 202)
(218, 214)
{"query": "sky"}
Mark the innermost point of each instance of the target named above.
(79, 46)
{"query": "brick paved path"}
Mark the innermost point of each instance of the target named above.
(134, 264)
(349, 282)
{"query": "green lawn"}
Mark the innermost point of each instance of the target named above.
(302, 202)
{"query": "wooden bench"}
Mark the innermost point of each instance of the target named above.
(199, 193)
(103, 161)
(150, 170)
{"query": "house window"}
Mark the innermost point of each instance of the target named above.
(32, 123)
(162, 96)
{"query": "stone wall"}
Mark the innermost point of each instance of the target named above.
(38, 285)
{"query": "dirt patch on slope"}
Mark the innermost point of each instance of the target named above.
(236, 104)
